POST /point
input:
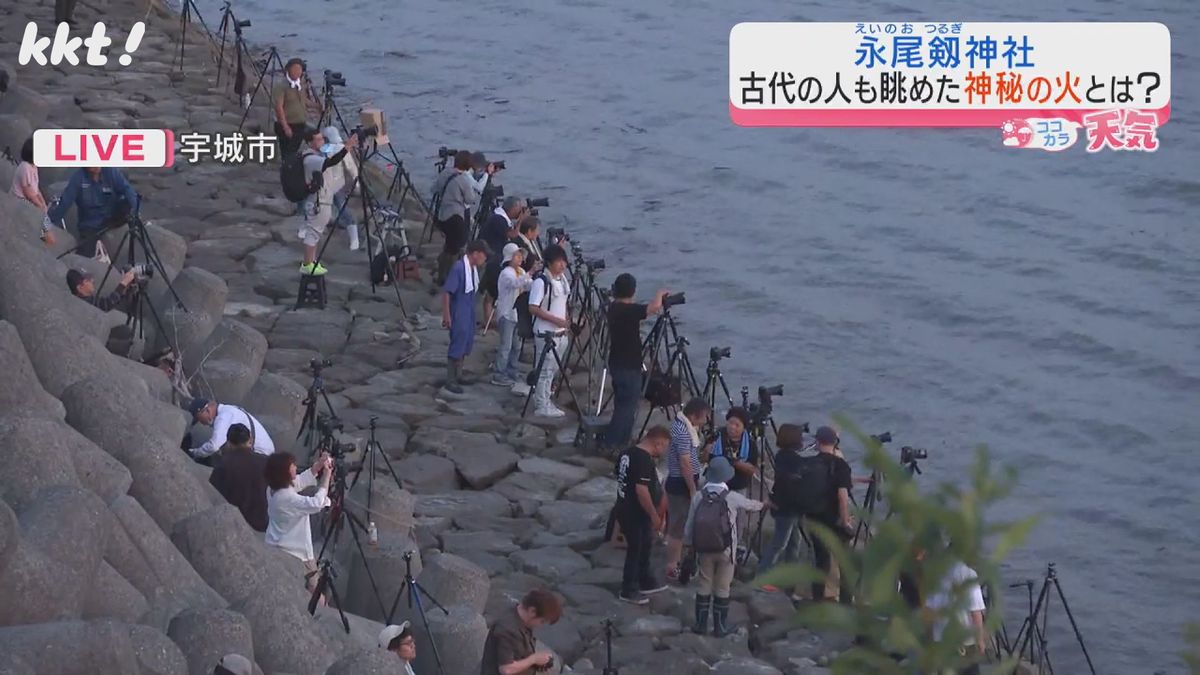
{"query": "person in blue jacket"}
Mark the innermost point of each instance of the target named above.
(458, 311)
(104, 199)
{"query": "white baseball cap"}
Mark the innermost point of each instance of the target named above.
(237, 664)
(391, 633)
(510, 250)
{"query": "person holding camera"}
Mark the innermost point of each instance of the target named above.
(221, 417)
(240, 476)
(83, 286)
(683, 475)
(343, 180)
(291, 102)
(625, 355)
(104, 199)
(527, 238)
(512, 282)
(734, 444)
(510, 648)
(455, 194)
(502, 226)
(288, 510)
(785, 541)
(548, 295)
(400, 641)
(316, 211)
(831, 477)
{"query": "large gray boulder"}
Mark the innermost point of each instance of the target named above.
(231, 340)
(148, 445)
(32, 576)
(277, 402)
(427, 473)
(377, 576)
(232, 557)
(459, 635)
(36, 457)
(111, 596)
(224, 380)
(70, 525)
(366, 662)
(391, 508)
(73, 647)
(21, 393)
(155, 652)
(455, 581)
(286, 640)
(203, 295)
(205, 636)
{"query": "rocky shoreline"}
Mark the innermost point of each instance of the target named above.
(116, 555)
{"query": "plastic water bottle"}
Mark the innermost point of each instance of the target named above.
(372, 534)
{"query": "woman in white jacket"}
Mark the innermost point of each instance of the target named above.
(288, 510)
(343, 179)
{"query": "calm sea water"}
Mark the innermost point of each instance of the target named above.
(927, 282)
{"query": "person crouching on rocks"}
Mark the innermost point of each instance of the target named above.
(288, 510)
(221, 416)
(458, 312)
(83, 286)
(400, 641)
(510, 648)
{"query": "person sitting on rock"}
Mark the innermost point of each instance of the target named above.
(510, 645)
(25, 186)
(234, 664)
(458, 311)
(104, 199)
(83, 286)
(240, 477)
(288, 510)
(400, 641)
(221, 417)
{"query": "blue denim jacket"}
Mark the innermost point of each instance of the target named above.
(96, 200)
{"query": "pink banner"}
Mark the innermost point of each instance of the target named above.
(961, 117)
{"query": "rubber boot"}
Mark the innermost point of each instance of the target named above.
(452, 377)
(463, 377)
(702, 605)
(721, 625)
(444, 261)
(352, 233)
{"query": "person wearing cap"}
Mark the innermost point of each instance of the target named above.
(400, 641)
(502, 225)
(220, 417)
(734, 443)
(458, 312)
(342, 179)
(104, 199)
(480, 174)
(316, 211)
(837, 516)
(291, 102)
(83, 286)
(240, 477)
(234, 664)
(513, 281)
(715, 570)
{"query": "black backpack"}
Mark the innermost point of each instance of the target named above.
(712, 530)
(524, 316)
(292, 178)
(383, 265)
(809, 490)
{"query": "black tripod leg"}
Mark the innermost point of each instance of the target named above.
(355, 522)
(537, 377)
(337, 602)
(1074, 626)
(566, 382)
(415, 592)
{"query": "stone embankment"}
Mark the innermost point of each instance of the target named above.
(116, 556)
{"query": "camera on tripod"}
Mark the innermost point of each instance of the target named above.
(718, 353)
(595, 264)
(670, 301)
(885, 437)
(446, 153)
(243, 23)
(334, 79)
(327, 425)
(141, 272)
(362, 132)
(909, 454)
(537, 201)
(557, 234)
(761, 410)
(318, 364)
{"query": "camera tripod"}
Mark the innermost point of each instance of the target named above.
(228, 19)
(435, 200)
(136, 237)
(415, 592)
(862, 531)
(760, 422)
(185, 17)
(609, 668)
(1031, 640)
(272, 64)
(338, 517)
(373, 449)
(549, 349)
(665, 344)
(715, 378)
(316, 392)
(489, 199)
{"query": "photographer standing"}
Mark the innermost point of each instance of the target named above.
(455, 191)
(512, 282)
(288, 510)
(317, 210)
(836, 515)
(548, 296)
(458, 312)
(291, 103)
(625, 356)
(785, 540)
(683, 476)
(502, 226)
(104, 199)
(527, 239)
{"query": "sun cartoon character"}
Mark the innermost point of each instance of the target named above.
(1016, 133)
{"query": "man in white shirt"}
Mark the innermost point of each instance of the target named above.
(548, 305)
(513, 281)
(960, 591)
(220, 417)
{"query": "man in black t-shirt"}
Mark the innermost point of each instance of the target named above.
(837, 517)
(638, 512)
(625, 356)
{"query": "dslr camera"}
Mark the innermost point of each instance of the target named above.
(761, 410)
(444, 152)
(334, 79)
(537, 201)
(885, 437)
(319, 364)
(557, 234)
(596, 264)
(499, 165)
(718, 353)
(670, 301)
(910, 455)
(141, 272)
(365, 132)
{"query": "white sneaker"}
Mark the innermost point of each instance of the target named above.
(520, 389)
(550, 411)
(352, 231)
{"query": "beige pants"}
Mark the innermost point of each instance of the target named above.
(716, 574)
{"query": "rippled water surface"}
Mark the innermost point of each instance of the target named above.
(929, 282)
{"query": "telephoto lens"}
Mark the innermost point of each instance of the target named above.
(365, 132)
(444, 152)
(334, 78)
(244, 23)
(537, 201)
(767, 392)
(499, 165)
(674, 299)
(718, 353)
(885, 437)
(596, 264)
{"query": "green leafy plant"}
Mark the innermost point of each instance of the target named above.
(949, 525)
(1191, 634)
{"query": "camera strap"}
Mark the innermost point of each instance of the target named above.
(250, 423)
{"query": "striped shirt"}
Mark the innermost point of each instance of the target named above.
(681, 446)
